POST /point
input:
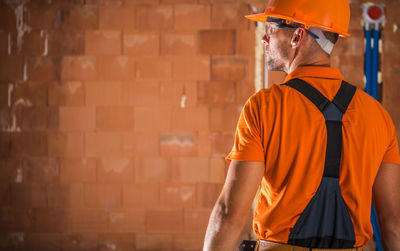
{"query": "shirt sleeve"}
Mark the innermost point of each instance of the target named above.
(392, 152)
(248, 145)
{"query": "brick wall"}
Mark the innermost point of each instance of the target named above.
(116, 115)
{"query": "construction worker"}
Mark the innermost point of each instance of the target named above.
(318, 148)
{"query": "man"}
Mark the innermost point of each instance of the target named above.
(321, 148)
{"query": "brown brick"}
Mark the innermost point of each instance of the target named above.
(77, 118)
(5, 194)
(218, 169)
(193, 68)
(103, 144)
(65, 195)
(116, 68)
(149, 170)
(80, 17)
(353, 45)
(42, 241)
(207, 194)
(87, 220)
(192, 16)
(77, 170)
(164, 220)
(35, 92)
(141, 44)
(4, 36)
(5, 144)
(135, 2)
(39, 17)
(245, 41)
(190, 169)
(8, 18)
(195, 219)
(178, 44)
(141, 195)
(230, 15)
(104, 93)
(229, 68)
(31, 118)
(116, 241)
(190, 119)
(40, 170)
(158, 17)
(179, 1)
(188, 241)
(78, 68)
(11, 68)
(115, 170)
(102, 195)
(41, 69)
(153, 68)
(66, 94)
(178, 93)
(28, 195)
(222, 143)
(12, 241)
(177, 144)
(217, 42)
(244, 89)
(216, 92)
(4, 100)
(66, 144)
(351, 69)
(152, 119)
(224, 118)
(31, 144)
(81, 241)
(127, 220)
(142, 93)
(150, 241)
(10, 170)
(49, 220)
(100, 42)
(33, 43)
(116, 18)
(15, 219)
(66, 42)
(114, 118)
(176, 195)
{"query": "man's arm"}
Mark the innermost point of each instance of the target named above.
(386, 197)
(232, 207)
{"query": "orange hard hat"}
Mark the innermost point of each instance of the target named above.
(329, 15)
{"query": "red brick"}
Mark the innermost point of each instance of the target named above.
(10, 170)
(102, 195)
(190, 119)
(157, 17)
(207, 194)
(188, 241)
(66, 144)
(80, 241)
(66, 94)
(86, 220)
(5, 144)
(178, 93)
(103, 144)
(8, 18)
(4, 37)
(77, 118)
(28, 195)
(217, 172)
(179, 1)
(150, 241)
(142, 93)
(222, 143)
(153, 68)
(135, 2)
(51, 220)
(230, 15)
(217, 42)
(115, 170)
(145, 119)
(41, 68)
(351, 69)
(33, 43)
(35, 92)
(11, 68)
(65, 42)
(100, 42)
(275, 77)
(141, 195)
(77, 170)
(80, 17)
(216, 92)
(164, 220)
(116, 241)
(229, 68)
(31, 144)
(42, 241)
(14, 219)
(5, 194)
(244, 89)
(190, 169)
(353, 45)
(8, 121)
(127, 220)
(39, 17)
(78, 68)
(178, 195)
(149, 170)
(144, 144)
(118, 68)
(65, 195)
(224, 118)
(116, 18)
(195, 219)
(192, 16)
(245, 41)
(203, 140)
(141, 44)
(110, 3)
(177, 144)
(12, 241)
(193, 68)
(104, 93)
(178, 44)
(31, 118)
(114, 118)
(4, 96)
(40, 170)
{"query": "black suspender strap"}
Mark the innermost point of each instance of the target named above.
(333, 113)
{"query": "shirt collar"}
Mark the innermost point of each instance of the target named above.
(315, 72)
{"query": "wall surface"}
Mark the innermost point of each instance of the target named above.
(116, 115)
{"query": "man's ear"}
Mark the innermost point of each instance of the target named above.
(298, 37)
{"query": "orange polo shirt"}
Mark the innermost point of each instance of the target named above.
(284, 129)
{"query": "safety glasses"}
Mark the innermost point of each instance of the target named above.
(275, 23)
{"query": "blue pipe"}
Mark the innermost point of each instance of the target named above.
(367, 65)
(375, 64)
